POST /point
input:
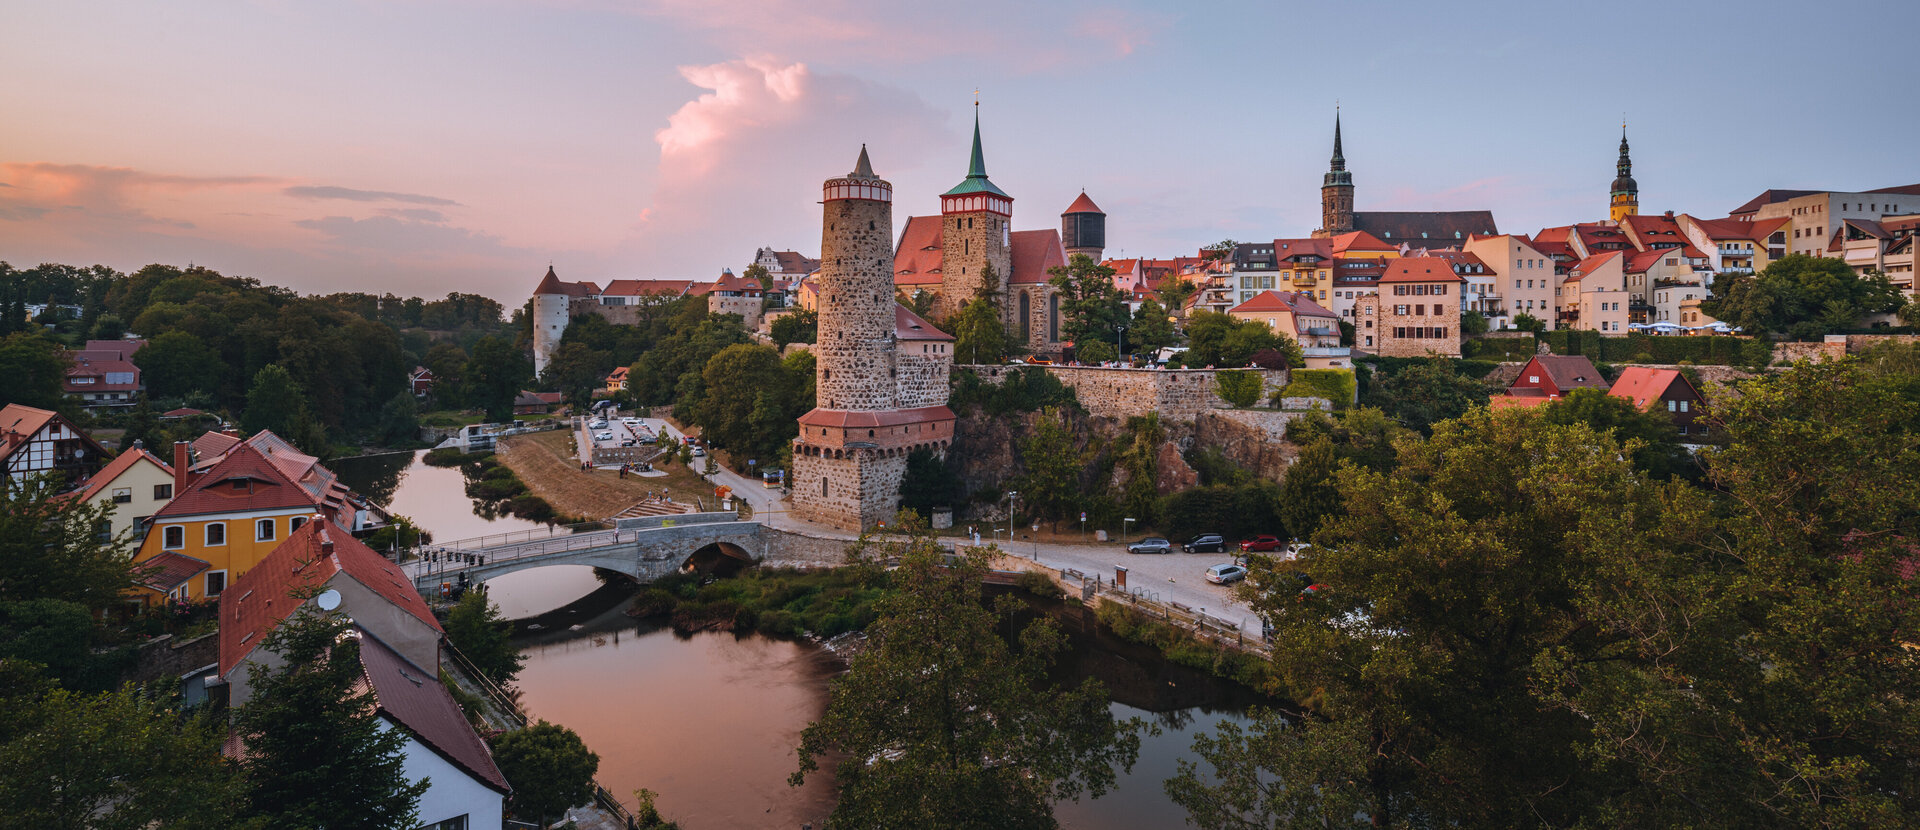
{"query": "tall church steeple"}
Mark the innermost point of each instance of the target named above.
(1336, 190)
(1624, 200)
(976, 239)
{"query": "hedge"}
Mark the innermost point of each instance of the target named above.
(1475, 369)
(1508, 349)
(1644, 348)
(1336, 385)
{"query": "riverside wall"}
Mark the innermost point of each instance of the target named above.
(1119, 393)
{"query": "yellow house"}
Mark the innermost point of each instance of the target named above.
(223, 521)
(137, 484)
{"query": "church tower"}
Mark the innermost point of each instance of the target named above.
(1336, 191)
(1625, 199)
(976, 235)
(851, 452)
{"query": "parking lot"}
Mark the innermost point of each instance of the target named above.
(609, 439)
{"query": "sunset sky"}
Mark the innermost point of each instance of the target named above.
(422, 147)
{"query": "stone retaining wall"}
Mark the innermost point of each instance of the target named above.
(164, 659)
(1176, 394)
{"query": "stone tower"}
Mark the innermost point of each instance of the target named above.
(975, 234)
(1625, 197)
(880, 372)
(550, 316)
(1083, 228)
(1336, 191)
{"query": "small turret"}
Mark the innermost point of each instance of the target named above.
(1083, 228)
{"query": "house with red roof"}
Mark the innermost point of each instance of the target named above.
(785, 265)
(1658, 390)
(1594, 294)
(1300, 319)
(729, 294)
(420, 381)
(105, 377)
(1551, 376)
(43, 442)
(1523, 276)
(537, 403)
(322, 569)
(1415, 312)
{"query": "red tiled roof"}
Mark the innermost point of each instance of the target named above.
(1360, 240)
(211, 445)
(119, 465)
(1321, 247)
(1298, 303)
(916, 261)
(1641, 261)
(1588, 265)
(910, 326)
(1642, 385)
(182, 412)
(794, 262)
(27, 420)
(841, 419)
(1568, 372)
(618, 374)
(421, 704)
(123, 348)
(1033, 253)
(1083, 205)
(647, 288)
(551, 284)
(1731, 228)
(1420, 269)
(312, 555)
(165, 572)
(98, 365)
(1770, 196)
(729, 282)
(266, 487)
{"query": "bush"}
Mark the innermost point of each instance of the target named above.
(1238, 387)
(1336, 385)
(1037, 584)
(1506, 349)
(1025, 389)
(1715, 350)
(446, 457)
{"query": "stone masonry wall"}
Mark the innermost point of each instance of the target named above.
(925, 368)
(855, 343)
(1176, 394)
(859, 489)
(969, 241)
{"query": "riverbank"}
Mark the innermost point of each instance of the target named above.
(546, 463)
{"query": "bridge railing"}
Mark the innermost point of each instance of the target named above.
(503, 539)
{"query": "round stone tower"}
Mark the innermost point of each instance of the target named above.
(854, 348)
(550, 316)
(1083, 228)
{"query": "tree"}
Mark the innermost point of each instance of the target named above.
(1173, 293)
(1800, 295)
(109, 327)
(550, 769)
(940, 722)
(273, 402)
(118, 760)
(1239, 387)
(980, 336)
(1215, 339)
(1309, 494)
(1425, 393)
(35, 368)
(798, 326)
(317, 754)
(1218, 250)
(494, 375)
(475, 628)
(52, 548)
(751, 401)
(577, 370)
(759, 274)
(400, 420)
(1151, 329)
(1051, 485)
(1473, 323)
(1656, 449)
(1090, 307)
(928, 484)
(1095, 352)
(1287, 770)
(1527, 322)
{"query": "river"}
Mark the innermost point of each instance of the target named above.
(709, 721)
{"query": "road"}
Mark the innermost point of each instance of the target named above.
(1174, 577)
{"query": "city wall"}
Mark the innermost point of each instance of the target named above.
(1176, 394)
(1836, 346)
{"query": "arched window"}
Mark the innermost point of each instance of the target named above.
(823, 487)
(1053, 318)
(1026, 324)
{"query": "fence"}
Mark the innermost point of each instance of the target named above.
(1093, 588)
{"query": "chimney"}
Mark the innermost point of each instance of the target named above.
(182, 459)
(326, 540)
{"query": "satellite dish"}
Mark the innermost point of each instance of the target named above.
(328, 600)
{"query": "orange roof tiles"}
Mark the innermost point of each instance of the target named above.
(165, 572)
(1034, 252)
(842, 419)
(1297, 303)
(1083, 205)
(244, 480)
(910, 326)
(1420, 269)
(916, 261)
(1360, 241)
(647, 288)
(1588, 265)
(1643, 386)
(119, 465)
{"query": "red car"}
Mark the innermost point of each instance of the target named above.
(1262, 544)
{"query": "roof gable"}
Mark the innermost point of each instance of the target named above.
(910, 326)
(244, 480)
(1567, 372)
(1643, 385)
(916, 260)
(1420, 269)
(1034, 253)
(420, 704)
(120, 464)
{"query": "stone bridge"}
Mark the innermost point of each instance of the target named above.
(645, 548)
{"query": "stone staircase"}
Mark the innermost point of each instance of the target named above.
(654, 507)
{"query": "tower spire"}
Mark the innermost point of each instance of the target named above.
(977, 168)
(862, 169)
(1624, 198)
(1339, 158)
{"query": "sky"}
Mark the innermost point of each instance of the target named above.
(421, 147)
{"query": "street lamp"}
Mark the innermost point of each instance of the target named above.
(1013, 497)
(1124, 524)
(1122, 346)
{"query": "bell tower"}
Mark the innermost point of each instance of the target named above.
(1624, 200)
(976, 235)
(1336, 190)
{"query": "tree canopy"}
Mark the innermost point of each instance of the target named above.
(1228, 342)
(550, 769)
(1090, 307)
(1800, 295)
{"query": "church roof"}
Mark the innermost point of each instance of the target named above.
(1083, 205)
(552, 284)
(976, 181)
(1033, 253)
(1413, 226)
(916, 261)
(910, 326)
(640, 288)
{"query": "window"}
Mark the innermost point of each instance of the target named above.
(458, 822)
(162, 492)
(173, 538)
(122, 495)
(1683, 406)
(216, 534)
(239, 484)
(1533, 378)
(263, 530)
(216, 583)
(294, 523)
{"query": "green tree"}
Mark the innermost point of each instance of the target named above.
(274, 402)
(1152, 328)
(119, 760)
(1473, 323)
(797, 326)
(939, 722)
(550, 769)
(1656, 448)
(1286, 770)
(494, 375)
(928, 484)
(1215, 339)
(109, 327)
(52, 548)
(1091, 308)
(1527, 322)
(980, 336)
(1173, 293)
(1051, 485)
(474, 626)
(1095, 352)
(1218, 250)
(400, 420)
(1425, 393)
(751, 401)
(35, 368)
(1800, 295)
(1309, 494)
(577, 370)
(317, 754)
(1239, 387)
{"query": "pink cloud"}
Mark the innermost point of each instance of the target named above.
(749, 94)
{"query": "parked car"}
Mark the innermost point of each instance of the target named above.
(1226, 574)
(698, 453)
(603, 436)
(1151, 544)
(1261, 544)
(1206, 543)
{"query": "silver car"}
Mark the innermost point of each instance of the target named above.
(1151, 544)
(1226, 574)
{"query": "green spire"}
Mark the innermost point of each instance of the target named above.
(976, 181)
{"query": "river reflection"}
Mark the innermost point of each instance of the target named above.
(435, 499)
